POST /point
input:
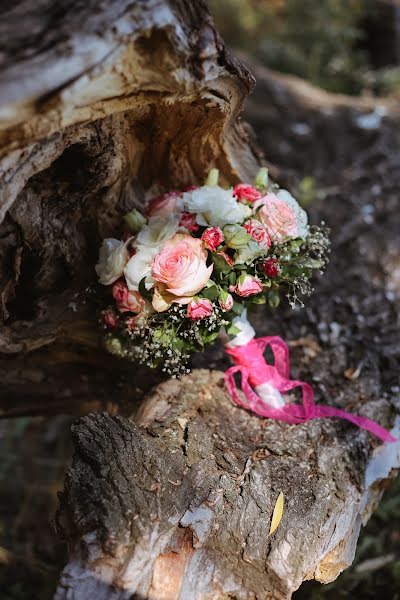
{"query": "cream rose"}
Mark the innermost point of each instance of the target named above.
(213, 206)
(139, 267)
(181, 266)
(112, 260)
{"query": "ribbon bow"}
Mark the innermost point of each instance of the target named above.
(255, 371)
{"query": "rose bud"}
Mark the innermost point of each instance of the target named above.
(199, 309)
(270, 267)
(258, 233)
(247, 286)
(188, 220)
(212, 238)
(225, 301)
(246, 193)
(126, 300)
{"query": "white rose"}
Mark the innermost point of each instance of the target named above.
(213, 206)
(157, 231)
(113, 257)
(139, 266)
(246, 332)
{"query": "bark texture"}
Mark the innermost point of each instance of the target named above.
(179, 503)
(100, 106)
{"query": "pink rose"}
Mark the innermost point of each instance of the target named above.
(258, 232)
(246, 286)
(188, 220)
(282, 216)
(126, 300)
(110, 318)
(246, 193)
(163, 205)
(225, 301)
(212, 238)
(199, 309)
(182, 265)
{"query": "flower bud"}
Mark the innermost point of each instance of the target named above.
(134, 220)
(261, 180)
(212, 178)
(225, 301)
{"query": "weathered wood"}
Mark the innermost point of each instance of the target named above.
(179, 504)
(99, 106)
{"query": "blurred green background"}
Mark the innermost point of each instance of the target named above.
(346, 46)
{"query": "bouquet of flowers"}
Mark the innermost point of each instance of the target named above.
(185, 271)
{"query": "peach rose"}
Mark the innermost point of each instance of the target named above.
(282, 216)
(181, 266)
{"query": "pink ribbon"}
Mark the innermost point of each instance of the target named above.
(254, 370)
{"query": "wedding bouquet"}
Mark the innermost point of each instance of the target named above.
(186, 269)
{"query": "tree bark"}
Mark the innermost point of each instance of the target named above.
(100, 107)
(179, 503)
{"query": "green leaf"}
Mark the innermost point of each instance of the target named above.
(273, 298)
(220, 264)
(260, 299)
(211, 293)
(142, 289)
(232, 278)
(233, 330)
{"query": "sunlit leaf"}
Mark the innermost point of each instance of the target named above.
(277, 514)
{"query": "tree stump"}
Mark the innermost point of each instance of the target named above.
(102, 106)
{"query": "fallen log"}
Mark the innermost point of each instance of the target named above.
(178, 504)
(102, 107)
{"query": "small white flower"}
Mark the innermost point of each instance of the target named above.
(157, 231)
(213, 206)
(112, 260)
(139, 266)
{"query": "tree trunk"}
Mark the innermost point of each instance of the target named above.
(100, 107)
(103, 106)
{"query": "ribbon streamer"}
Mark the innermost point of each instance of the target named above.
(255, 371)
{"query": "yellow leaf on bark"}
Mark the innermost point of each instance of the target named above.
(277, 514)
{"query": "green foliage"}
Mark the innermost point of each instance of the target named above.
(316, 40)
